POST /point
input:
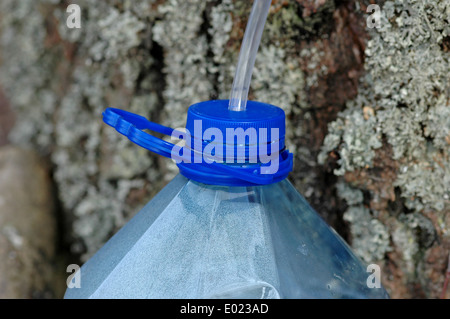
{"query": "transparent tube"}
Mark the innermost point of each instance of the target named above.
(247, 55)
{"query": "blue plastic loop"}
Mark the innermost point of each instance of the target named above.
(132, 126)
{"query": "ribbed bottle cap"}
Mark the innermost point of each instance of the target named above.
(263, 118)
(228, 148)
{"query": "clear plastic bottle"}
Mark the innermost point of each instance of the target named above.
(235, 239)
(230, 225)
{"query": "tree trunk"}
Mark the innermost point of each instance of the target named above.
(368, 111)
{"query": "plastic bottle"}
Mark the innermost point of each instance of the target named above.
(216, 234)
(230, 225)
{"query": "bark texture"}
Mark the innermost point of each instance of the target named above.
(368, 110)
(28, 233)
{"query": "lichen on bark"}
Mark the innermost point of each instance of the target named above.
(395, 115)
(370, 152)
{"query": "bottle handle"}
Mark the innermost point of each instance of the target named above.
(132, 126)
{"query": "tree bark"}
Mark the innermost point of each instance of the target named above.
(367, 109)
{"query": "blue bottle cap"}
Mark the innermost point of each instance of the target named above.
(215, 114)
(221, 147)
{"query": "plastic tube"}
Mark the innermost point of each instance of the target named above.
(247, 55)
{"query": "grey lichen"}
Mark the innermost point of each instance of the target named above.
(425, 185)
(287, 25)
(277, 80)
(27, 38)
(404, 98)
(411, 234)
(356, 137)
(94, 168)
(185, 57)
(406, 86)
(219, 31)
(187, 80)
(370, 238)
(352, 196)
(316, 70)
